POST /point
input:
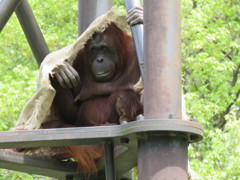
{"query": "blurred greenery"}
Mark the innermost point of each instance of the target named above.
(211, 66)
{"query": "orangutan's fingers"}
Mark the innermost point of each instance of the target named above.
(72, 74)
(66, 79)
(135, 16)
(137, 20)
(60, 79)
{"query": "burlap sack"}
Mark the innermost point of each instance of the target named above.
(38, 107)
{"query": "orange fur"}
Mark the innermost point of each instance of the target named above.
(86, 156)
(93, 103)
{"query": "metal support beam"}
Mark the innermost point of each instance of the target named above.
(34, 165)
(7, 7)
(162, 155)
(109, 161)
(32, 31)
(90, 10)
(124, 136)
(137, 32)
(162, 59)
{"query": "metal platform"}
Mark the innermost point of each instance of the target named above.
(124, 137)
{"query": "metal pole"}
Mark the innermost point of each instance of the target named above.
(162, 155)
(109, 161)
(162, 56)
(7, 7)
(32, 31)
(90, 10)
(137, 32)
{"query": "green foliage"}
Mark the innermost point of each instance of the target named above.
(211, 66)
(120, 5)
(211, 63)
(19, 71)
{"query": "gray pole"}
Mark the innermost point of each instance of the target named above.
(162, 155)
(137, 32)
(90, 10)
(32, 31)
(7, 7)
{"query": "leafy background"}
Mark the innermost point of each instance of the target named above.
(210, 74)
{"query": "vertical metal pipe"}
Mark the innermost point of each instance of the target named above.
(162, 57)
(163, 158)
(137, 32)
(32, 31)
(90, 10)
(109, 161)
(162, 155)
(7, 7)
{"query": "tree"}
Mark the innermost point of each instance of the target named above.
(211, 63)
